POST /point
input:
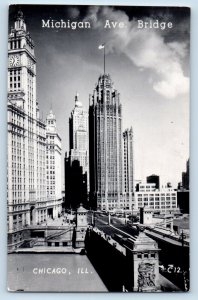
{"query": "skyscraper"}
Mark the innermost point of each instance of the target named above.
(26, 138)
(105, 141)
(77, 162)
(128, 166)
(79, 139)
(53, 166)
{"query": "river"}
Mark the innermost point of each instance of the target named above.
(52, 273)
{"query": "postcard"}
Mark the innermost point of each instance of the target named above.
(98, 148)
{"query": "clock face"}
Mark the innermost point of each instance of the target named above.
(14, 60)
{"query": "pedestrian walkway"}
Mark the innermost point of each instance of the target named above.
(63, 220)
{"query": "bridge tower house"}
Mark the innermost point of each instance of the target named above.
(81, 227)
(146, 215)
(143, 260)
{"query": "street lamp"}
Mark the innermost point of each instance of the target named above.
(109, 218)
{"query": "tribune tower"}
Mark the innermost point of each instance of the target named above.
(105, 141)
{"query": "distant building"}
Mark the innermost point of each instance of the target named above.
(183, 201)
(54, 167)
(79, 137)
(185, 177)
(179, 186)
(128, 167)
(164, 200)
(105, 136)
(154, 179)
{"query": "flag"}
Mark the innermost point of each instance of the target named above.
(101, 46)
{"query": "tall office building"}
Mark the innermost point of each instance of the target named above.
(26, 176)
(105, 141)
(128, 167)
(79, 139)
(77, 162)
(53, 166)
(154, 179)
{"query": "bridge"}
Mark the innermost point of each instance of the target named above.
(120, 237)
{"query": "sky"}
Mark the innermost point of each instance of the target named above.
(149, 68)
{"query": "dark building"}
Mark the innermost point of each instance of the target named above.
(105, 146)
(154, 179)
(185, 177)
(75, 184)
(183, 201)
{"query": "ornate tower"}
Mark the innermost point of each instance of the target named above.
(26, 137)
(105, 131)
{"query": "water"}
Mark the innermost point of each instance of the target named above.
(52, 273)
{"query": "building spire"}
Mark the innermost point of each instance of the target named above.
(76, 97)
(19, 21)
(19, 15)
(77, 102)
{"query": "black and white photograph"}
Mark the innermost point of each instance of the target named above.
(98, 148)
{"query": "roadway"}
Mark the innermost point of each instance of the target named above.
(118, 226)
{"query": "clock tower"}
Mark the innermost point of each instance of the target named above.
(26, 138)
(21, 59)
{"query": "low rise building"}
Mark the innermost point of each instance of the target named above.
(163, 200)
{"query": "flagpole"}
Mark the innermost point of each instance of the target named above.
(104, 62)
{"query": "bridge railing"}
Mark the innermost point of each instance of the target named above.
(178, 239)
(56, 234)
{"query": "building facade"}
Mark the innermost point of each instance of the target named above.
(105, 131)
(163, 200)
(53, 167)
(26, 178)
(79, 137)
(128, 167)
